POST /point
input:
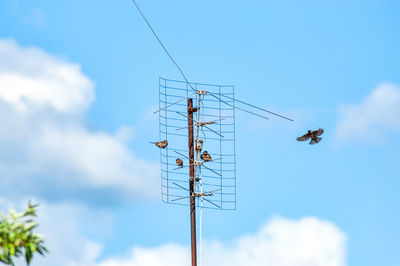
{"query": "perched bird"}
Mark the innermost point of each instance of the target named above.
(179, 162)
(162, 144)
(313, 135)
(205, 156)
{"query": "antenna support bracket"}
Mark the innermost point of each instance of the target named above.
(196, 194)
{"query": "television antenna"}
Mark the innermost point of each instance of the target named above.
(208, 125)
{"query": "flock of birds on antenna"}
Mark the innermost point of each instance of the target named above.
(205, 156)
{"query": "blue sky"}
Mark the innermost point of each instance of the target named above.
(329, 64)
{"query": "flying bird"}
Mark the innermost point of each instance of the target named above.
(162, 144)
(205, 156)
(313, 135)
(179, 162)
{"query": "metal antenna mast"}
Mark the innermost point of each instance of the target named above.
(190, 111)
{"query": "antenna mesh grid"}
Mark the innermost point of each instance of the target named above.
(217, 176)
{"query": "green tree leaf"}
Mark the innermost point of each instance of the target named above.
(17, 236)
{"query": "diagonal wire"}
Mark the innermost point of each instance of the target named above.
(215, 159)
(180, 167)
(182, 155)
(202, 131)
(259, 108)
(180, 186)
(219, 207)
(212, 170)
(181, 198)
(180, 128)
(238, 107)
(161, 43)
(173, 103)
(179, 113)
(214, 131)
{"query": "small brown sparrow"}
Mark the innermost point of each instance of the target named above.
(179, 162)
(162, 144)
(205, 156)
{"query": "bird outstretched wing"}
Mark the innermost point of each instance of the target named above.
(318, 132)
(316, 140)
(304, 137)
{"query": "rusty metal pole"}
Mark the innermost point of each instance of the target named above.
(191, 110)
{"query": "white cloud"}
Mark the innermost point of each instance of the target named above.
(280, 242)
(376, 114)
(45, 147)
(63, 234)
(165, 255)
(31, 78)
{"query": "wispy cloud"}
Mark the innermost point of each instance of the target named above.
(46, 148)
(33, 17)
(280, 242)
(376, 115)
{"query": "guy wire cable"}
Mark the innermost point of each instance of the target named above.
(162, 45)
(252, 105)
(239, 108)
